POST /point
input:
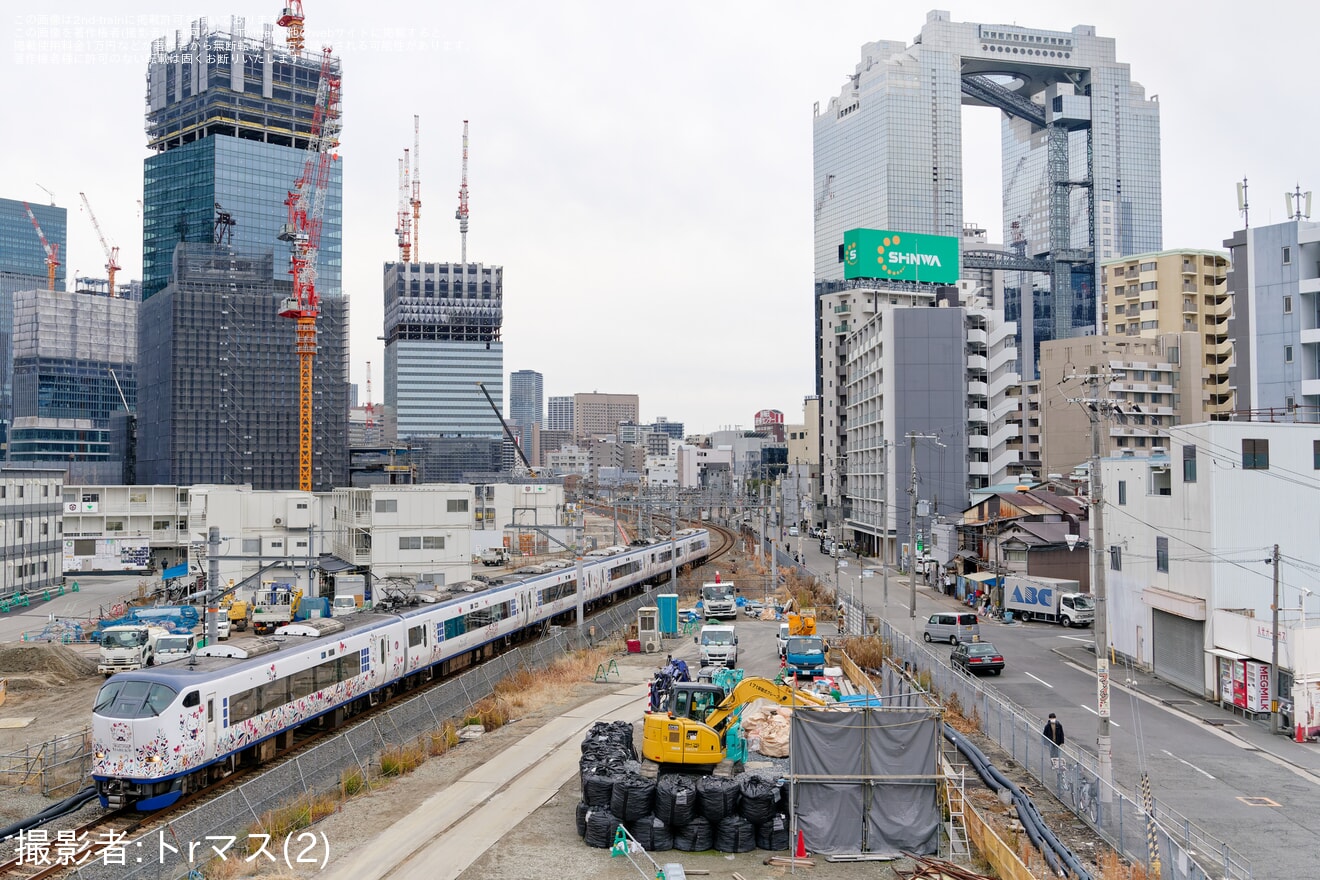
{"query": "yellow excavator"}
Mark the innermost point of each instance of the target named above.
(690, 727)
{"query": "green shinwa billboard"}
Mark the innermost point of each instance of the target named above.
(900, 256)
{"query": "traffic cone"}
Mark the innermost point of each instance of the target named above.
(801, 851)
(1300, 736)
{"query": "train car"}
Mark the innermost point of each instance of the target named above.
(158, 734)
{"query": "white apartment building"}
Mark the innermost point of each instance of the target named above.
(1188, 532)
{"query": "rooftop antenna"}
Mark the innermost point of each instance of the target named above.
(462, 213)
(1242, 203)
(1294, 202)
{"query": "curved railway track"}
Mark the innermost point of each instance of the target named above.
(48, 854)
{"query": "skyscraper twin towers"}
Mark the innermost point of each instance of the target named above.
(1080, 160)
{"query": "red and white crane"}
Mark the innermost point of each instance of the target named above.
(416, 200)
(111, 253)
(306, 203)
(370, 408)
(461, 215)
(52, 250)
(402, 221)
(293, 20)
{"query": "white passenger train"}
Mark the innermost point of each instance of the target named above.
(160, 733)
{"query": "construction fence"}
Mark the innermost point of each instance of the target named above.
(55, 768)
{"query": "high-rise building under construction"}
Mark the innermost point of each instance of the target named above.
(230, 119)
(442, 337)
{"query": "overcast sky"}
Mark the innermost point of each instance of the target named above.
(642, 173)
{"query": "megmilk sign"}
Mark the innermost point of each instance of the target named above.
(900, 256)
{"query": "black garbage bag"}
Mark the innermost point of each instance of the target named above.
(632, 797)
(651, 833)
(602, 825)
(735, 835)
(759, 797)
(695, 836)
(718, 797)
(773, 835)
(597, 787)
(582, 809)
(676, 799)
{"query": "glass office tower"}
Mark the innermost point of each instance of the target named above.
(229, 119)
(526, 398)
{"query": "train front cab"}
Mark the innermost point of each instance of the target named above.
(134, 721)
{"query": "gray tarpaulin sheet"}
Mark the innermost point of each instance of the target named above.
(871, 783)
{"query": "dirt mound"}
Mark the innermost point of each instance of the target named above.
(57, 664)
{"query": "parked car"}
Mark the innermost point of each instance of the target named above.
(792, 531)
(952, 627)
(974, 657)
(781, 640)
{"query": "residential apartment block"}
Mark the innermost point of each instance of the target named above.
(1180, 291)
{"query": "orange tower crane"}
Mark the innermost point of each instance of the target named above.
(293, 20)
(111, 253)
(52, 250)
(461, 215)
(306, 203)
(416, 200)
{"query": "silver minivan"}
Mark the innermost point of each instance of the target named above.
(952, 627)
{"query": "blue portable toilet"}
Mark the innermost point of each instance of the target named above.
(668, 605)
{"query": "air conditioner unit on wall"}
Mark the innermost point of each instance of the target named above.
(279, 520)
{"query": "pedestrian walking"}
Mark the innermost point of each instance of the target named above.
(1054, 733)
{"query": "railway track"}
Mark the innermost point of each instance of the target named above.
(41, 853)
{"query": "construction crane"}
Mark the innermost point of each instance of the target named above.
(402, 222)
(111, 253)
(461, 215)
(306, 203)
(370, 407)
(52, 250)
(416, 200)
(293, 20)
(508, 432)
(49, 193)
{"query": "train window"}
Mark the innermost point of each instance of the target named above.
(243, 706)
(416, 636)
(455, 626)
(326, 676)
(194, 698)
(382, 652)
(350, 666)
(274, 694)
(133, 699)
(302, 683)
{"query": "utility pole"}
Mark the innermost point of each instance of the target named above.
(912, 518)
(1097, 410)
(1275, 721)
(213, 581)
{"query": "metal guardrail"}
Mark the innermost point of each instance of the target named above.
(1186, 851)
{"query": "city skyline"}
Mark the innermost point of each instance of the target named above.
(568, 155)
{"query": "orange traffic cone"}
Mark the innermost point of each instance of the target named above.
(801, 851)
(1300, 735)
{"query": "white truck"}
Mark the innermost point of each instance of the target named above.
(718, 601)
(494, 556)
(349, 597)
(128, 646)
(1053, 600)
(719, 646)
(172, 647)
